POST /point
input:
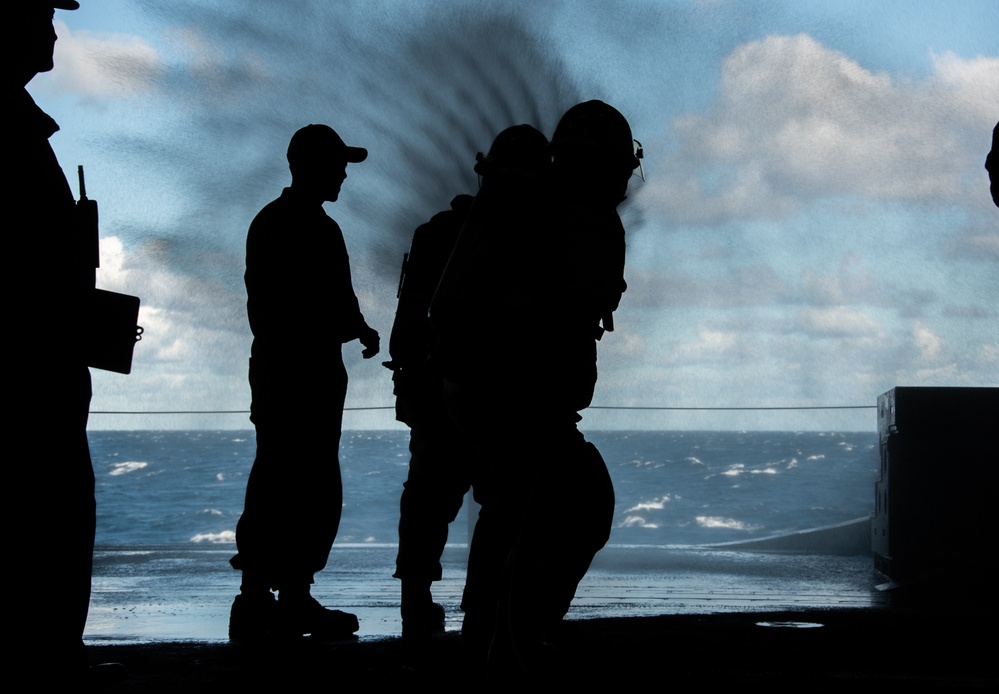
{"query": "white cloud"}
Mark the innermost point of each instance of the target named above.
(838, 321)
(626, 343)
(983, 245)
(988, 354)
(733, 285)
(196, 340)
(974, 83)
(99, 65)
(929, 343)
(844, 287)
(223, 73)
(947, 374)
(710, 345)
(795, 121)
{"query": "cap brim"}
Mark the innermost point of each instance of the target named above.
(356, 155)
(65, 5)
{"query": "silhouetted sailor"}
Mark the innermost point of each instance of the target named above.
(483, 314)
(51, 265)
(479, 311)
(992, 165)
(302, 307)
(583, 253)
(439, 466)
(540, 280)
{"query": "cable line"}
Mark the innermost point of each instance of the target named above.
(591, 407)
(800, 407)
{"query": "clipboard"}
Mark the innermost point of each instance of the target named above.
(111, 330)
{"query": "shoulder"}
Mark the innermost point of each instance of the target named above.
(265, 231)
(289, 212)
(448, 222)
(268, 215)
(287, 223)
(29, 120)
(273, 212)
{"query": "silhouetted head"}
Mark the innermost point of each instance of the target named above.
(521, 150)
(31, 37)
(593, 150)
(992, 165)
(597, 130)
(318, 159)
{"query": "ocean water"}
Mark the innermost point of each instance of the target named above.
(686, 488)
(168, 502)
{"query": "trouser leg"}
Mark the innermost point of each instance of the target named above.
(431, 498)
(496, 532)
(64, 505)
(501, 495)
(291, 515)
(550, 567)
(567, 519)
(294, 495)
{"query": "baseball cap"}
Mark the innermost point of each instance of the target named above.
(314, 141)
(31, 6)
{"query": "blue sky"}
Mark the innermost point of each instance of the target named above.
(815, 226)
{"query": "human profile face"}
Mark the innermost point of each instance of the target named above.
(992, 165)
(33, 41)
(334, 177)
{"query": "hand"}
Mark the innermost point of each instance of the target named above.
(370, 340)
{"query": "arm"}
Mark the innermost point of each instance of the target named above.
(353, 325)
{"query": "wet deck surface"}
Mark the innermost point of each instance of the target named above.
(814, 650)
(178, 594)
(647, 617)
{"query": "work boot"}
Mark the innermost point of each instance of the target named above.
(300, 615)
(251, 618)
(423, 621)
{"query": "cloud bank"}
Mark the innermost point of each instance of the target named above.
(796, 121)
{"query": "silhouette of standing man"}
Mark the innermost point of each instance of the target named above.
(439, 466)
(583, 249)
(538, 296)
(302, 307)
(992, 165)
(51, 264)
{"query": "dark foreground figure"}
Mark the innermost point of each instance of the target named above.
(440, 471)
(532, 286)
(53, 262)
(485, 347)
(844, 650)
(299, 290)
(992, 165)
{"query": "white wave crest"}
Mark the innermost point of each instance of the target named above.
(636, 521)
(226, 537)
(125, 468)
(654, 505)
(726, 523)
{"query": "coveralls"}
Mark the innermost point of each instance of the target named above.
(51, 265)
(302, 307)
